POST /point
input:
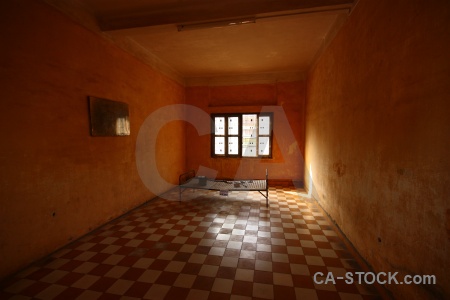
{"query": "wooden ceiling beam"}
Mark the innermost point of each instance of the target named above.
(205, 11)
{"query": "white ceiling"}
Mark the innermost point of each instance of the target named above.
(286, 37)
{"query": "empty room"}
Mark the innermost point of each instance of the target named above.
(198, 149)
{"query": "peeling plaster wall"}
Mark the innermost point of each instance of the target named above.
(377, 138)
(285, 98)
(57, 182)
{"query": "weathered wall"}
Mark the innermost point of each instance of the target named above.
(285, 98)
(377, 138)
(57, 182)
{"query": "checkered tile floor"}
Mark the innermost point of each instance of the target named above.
(206, 247)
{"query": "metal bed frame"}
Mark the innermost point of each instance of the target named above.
(188, 180)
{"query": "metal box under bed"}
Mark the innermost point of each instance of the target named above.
(188, 180)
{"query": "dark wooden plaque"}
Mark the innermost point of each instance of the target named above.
(108, 118)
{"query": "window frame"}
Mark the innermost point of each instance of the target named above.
(226, 117)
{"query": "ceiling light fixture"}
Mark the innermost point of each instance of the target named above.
(216, 24)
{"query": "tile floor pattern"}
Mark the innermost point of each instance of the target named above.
(207, 247)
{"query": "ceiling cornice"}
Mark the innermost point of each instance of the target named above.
(243, 79)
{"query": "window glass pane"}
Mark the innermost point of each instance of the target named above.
(249, 142)
(264, 145)
(219, 123)
(249, 147)
(233, 125)
(264, 125)
(249, 151)
(233, 145)
(249, 125)
(219, 147)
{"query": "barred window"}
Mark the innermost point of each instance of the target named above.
(242, 135)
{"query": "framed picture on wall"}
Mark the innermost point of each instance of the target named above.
(108, 117)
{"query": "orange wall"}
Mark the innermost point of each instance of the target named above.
(285, 98)
(49, 162)
(377, 138)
